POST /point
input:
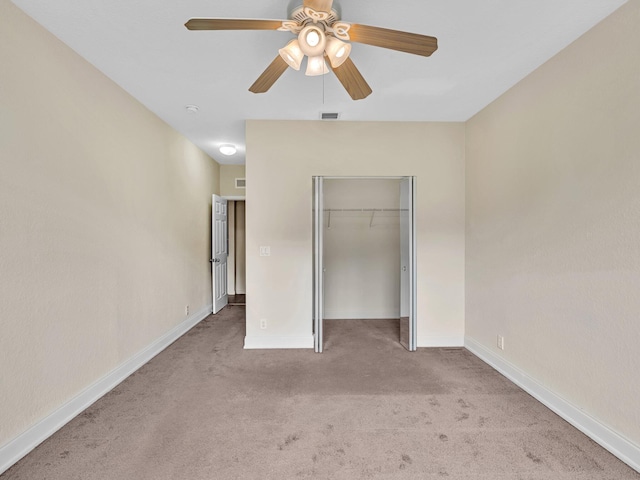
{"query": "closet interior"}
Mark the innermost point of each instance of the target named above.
(361, 248)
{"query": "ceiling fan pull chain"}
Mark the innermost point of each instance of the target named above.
(322, 89)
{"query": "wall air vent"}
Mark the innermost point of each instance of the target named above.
(329, 116)
(241, 183)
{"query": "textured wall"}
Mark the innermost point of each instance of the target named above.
(280, 166)
(553, 223)
(104, 224)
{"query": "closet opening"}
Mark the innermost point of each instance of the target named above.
(364, 257)
(236, 272)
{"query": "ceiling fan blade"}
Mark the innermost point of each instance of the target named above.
(269, 76)
(232, 24)
(394, 39)
(319, 5)
(351, 79)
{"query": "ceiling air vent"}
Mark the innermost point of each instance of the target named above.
(329, 116)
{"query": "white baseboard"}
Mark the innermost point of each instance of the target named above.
(24, 443)
(274, 341)
(618, 445)
(435, 341)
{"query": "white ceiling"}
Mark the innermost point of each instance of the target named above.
(485, 47)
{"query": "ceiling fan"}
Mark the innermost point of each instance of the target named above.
(321, 36)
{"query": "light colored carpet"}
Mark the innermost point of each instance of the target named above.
(207, 409)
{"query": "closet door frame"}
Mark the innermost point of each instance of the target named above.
(408, 324)
(318, 264)
(318, 261)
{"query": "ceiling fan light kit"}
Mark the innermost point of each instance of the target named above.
(312, 40)
(320, 33)
(316, 66)
(292, 54)
(337, 51)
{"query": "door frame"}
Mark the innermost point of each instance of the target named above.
(318, 266)
(232, 198)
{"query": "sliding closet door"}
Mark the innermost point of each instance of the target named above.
(318, 264)
(407, 264)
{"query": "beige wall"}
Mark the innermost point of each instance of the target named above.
(105, 224)
(361, 254)
(553, 223)
(228, 175)
(280, 166)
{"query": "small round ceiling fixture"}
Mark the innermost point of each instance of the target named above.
(228, 149)
(192, 109)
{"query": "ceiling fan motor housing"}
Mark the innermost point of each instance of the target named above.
(295, 11)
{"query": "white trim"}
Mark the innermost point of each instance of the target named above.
(440, 341)
(235, 198)
(614, 442)
(24, 443)
(273, 341)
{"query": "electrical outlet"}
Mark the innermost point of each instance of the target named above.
(186, 310)
(500, 342)
(265, 251)
(263, 323)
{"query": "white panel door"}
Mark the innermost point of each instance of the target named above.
(407, 265)
(219, 252)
